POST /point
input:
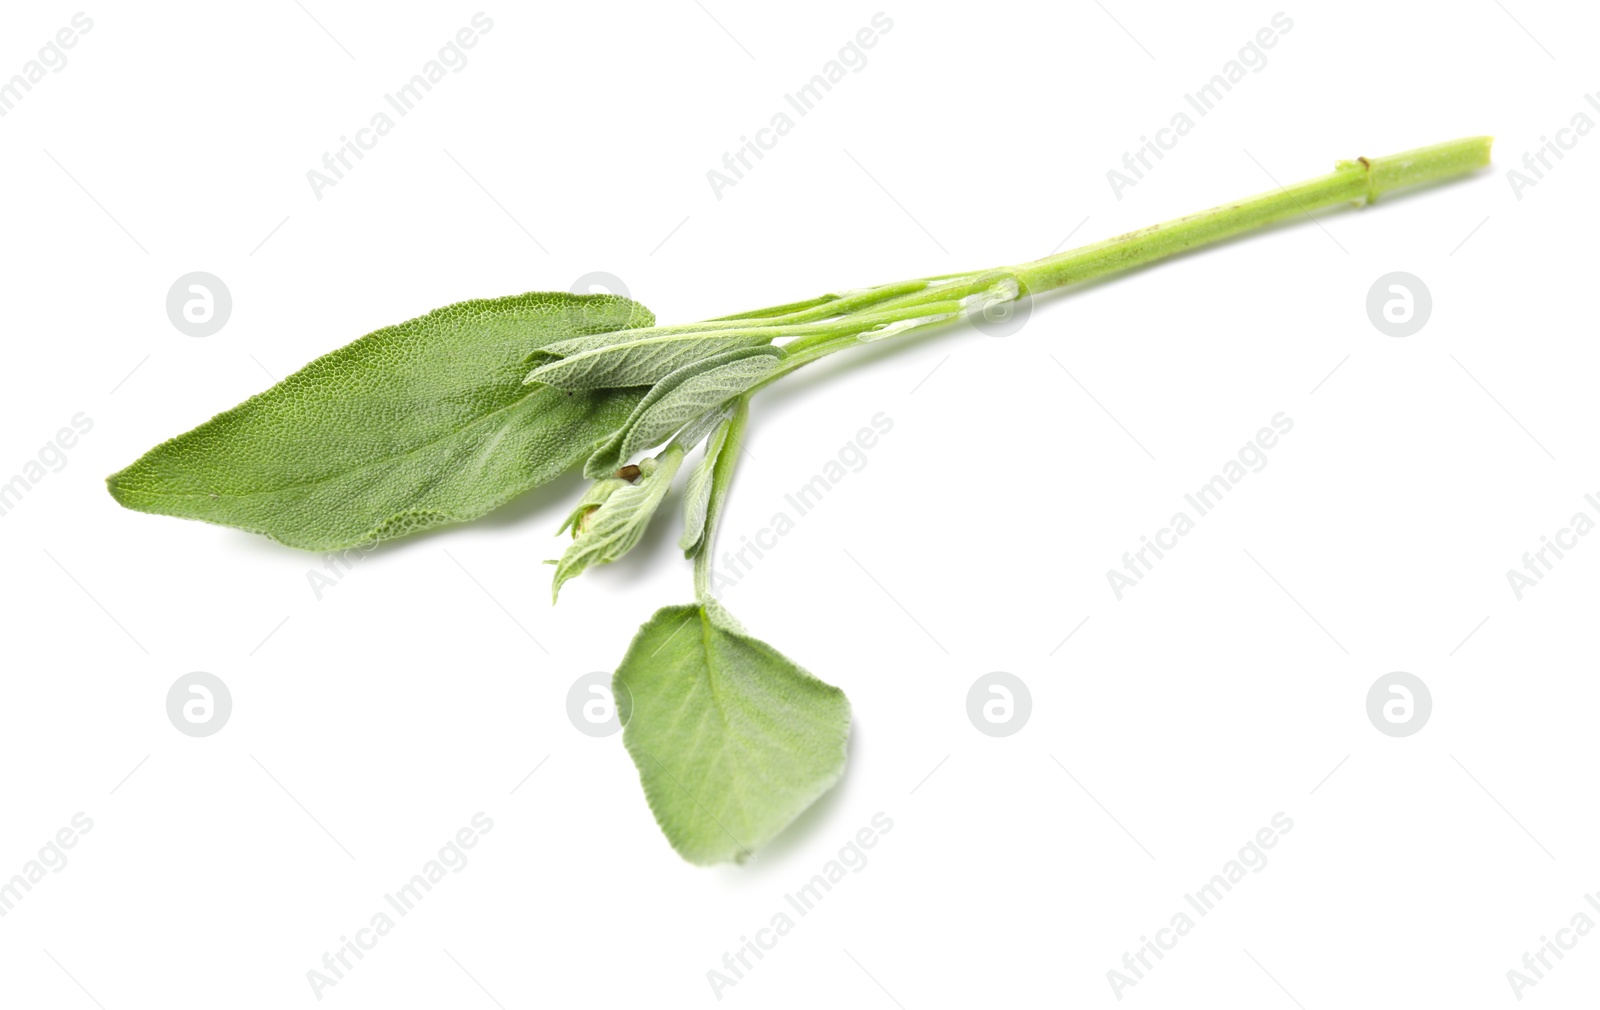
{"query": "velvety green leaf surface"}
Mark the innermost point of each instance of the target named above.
(731, 739)
(591, 501)
(621, 520)
(686, 394)
(411, 426)
(697, 491)
(630, 363)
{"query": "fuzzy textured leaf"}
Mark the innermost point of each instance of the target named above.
(732, 740)
(621, 520)
(681, 397)
(591, 501)
(630, 363)
(414, 425)
(697, 491)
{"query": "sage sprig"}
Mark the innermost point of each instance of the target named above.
(449, 415)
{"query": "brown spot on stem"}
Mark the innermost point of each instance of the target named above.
(629, 472)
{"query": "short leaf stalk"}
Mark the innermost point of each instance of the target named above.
(731, 739)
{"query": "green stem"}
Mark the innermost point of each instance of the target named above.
(1361, 181)
(831, 323)
(828, 305)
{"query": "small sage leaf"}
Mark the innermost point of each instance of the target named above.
(413, 425)
(615, 527)
(631, 363)
(599, 491)
(695, 432)
(732, 740)
(697, 491)
(611, 338)
(681, 397)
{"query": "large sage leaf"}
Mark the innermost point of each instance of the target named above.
(411, 426)
(681, 397)
(731, 739)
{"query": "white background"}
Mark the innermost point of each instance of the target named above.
(369, 725)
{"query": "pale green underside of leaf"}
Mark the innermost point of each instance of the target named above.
(411, 426)
(631, 363)
(592, 499)
(681, 397)
(732, 740)
(620, 522)
(697, 492)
